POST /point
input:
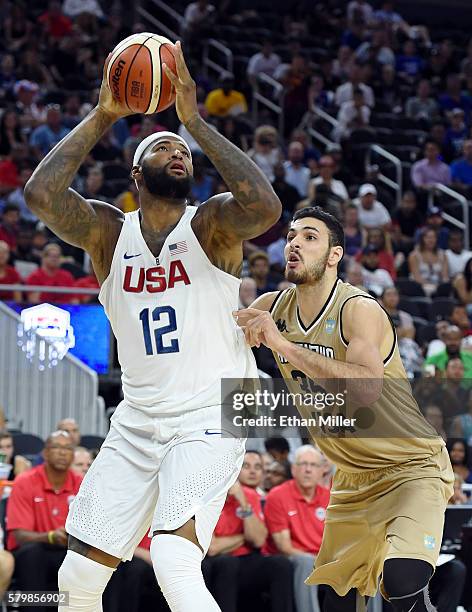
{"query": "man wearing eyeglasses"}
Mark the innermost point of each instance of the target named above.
(36, 515)
(295, 513)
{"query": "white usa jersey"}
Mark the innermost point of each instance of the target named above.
(172, 319)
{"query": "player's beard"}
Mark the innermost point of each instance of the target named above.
(312, 275)
(160, 183)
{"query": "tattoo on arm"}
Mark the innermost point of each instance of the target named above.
(47, 192)
(257, 205)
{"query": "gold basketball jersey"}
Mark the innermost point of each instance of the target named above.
(396, 431)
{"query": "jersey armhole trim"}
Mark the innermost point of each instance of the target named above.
(274, 303)
(346, 343)
(113, 261)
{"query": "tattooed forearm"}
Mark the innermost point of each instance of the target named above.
(57, 170)
(244, 179)
(47, 192)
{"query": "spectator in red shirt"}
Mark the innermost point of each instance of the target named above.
(87, 282)
(252, 472)
(9, 225)
(234, 564)
(295, 513)
(36, 515)
(50, 274)
(56, 25)
(8, 274)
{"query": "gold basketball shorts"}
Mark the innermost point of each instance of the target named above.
(394, 512)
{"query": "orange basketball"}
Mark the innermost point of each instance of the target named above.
(135, 74)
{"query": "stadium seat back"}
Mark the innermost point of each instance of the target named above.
(91, 442)
(27, 444)
(409, 288)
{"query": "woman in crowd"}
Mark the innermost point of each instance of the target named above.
(459, 458)
(10, 132)
(462, 285)
(18, 463)
(427, 263)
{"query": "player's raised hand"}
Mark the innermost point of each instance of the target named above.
(259, 328)
(106, 101)
(184, 85)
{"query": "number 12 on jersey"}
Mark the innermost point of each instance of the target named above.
(159, 332)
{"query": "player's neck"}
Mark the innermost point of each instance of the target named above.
(312, 297)
(159, 213)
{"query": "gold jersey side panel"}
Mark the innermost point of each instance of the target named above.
(401, 432)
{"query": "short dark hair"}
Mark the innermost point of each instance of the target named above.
(450, 443)
(277, 443)
(335, 229)
(429, 141)
(11, 208)
(255, 452)
(455, 358)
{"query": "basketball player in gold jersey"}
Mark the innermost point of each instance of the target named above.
(389, 493)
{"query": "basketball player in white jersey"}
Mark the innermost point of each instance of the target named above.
(166, 271)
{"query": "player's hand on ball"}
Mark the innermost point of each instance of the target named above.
(106, 101)
(259, 328)
(184, 85)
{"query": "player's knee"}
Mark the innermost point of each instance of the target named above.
(176, 561)
(405, 577)
(84, 580)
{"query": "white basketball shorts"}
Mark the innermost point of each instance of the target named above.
(155, 474)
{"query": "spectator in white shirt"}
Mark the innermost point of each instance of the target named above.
(266, 61)
(372, 213)
(456, 255)
(343, 63)
(327, 167)
(353, 115)
(296, 174)
(422, 106)
(266, 153)
(345, 92)
(378, 49)
(375, 279)
(438, 345)
(73, 8)
(198, 15)
(360, 10)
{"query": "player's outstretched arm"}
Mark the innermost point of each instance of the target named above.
(48, 194)
(252, 206)
(363, 358)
